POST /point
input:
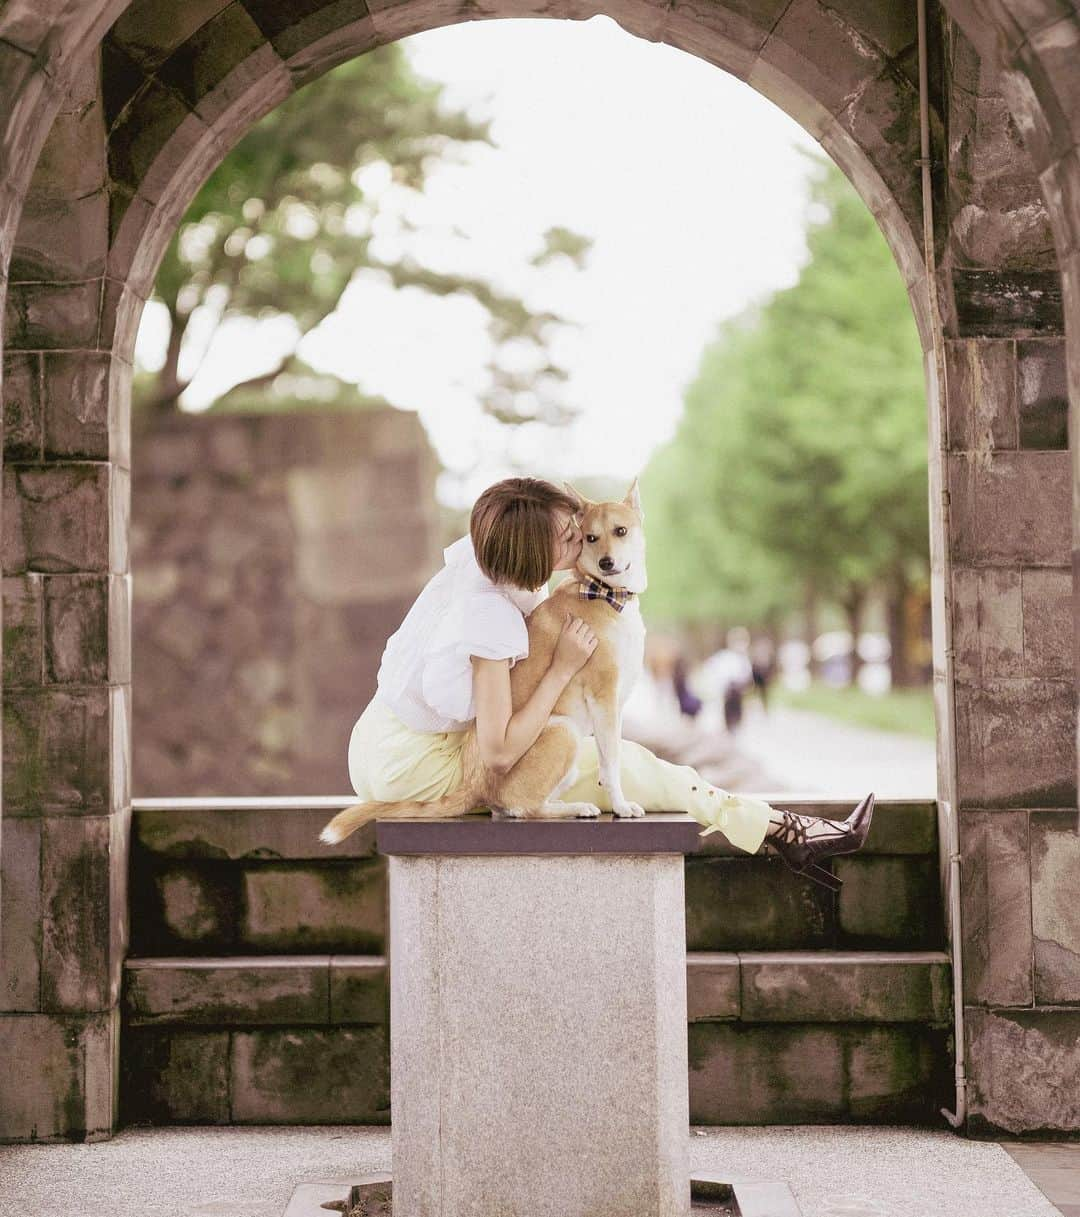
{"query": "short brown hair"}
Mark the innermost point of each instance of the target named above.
(514, 532)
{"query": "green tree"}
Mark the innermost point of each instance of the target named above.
(705, 563)
(799, 471)
(282, 226)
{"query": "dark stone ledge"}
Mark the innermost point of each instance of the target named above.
(264, 828)
(657, 833)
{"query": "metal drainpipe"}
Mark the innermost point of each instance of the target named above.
(953, 830)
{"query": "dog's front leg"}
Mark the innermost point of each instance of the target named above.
(607, 731)
(532, 788)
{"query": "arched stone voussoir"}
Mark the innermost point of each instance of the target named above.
(27, 92)
(728, 36)
(395, 19)
(43, 45)
(1036, 48)
(1060, 185)
(146, 208)
(838, 68)
(903, 237)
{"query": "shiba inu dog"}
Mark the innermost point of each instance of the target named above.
(602, 590)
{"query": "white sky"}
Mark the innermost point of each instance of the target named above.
(689, 182)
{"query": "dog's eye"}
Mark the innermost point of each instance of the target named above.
(620, 531)
(591, 539)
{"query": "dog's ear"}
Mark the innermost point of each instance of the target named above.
(583, 502)
(633, 498)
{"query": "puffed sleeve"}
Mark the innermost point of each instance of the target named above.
(483, 623)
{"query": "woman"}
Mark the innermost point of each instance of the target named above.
(450, 660)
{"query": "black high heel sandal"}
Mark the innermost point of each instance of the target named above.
(802, 853)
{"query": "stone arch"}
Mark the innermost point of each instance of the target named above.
(180, 86)
(223, 98)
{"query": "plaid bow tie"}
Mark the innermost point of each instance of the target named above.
(594, 589)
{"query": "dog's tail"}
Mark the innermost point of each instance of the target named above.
(464, 798)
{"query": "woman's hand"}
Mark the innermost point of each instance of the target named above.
(575, 644)
(504, 735)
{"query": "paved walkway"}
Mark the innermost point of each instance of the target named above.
(787, 751)
(1054, 1167)
(812, 754)
(833, 1170)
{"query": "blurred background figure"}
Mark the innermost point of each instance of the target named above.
(667, 669)
(689, 703)
(762, 668)
(670, 712)
(733, 707)
(726, 675)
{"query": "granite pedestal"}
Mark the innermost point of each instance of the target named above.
(538, 1016)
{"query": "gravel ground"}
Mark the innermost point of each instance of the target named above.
(834, 1170)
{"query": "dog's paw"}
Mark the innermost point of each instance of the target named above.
(587, 811)
(625, 810)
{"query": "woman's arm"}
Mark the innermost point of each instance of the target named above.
(504, 737)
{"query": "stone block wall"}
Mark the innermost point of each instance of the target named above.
(256, 989)
(272, 557)
(1008, 487)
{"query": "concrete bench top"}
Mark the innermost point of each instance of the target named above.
(653, 833)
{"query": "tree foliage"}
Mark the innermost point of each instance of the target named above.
(283, 225)
(801, 457)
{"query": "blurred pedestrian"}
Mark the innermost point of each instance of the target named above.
(733, 706)
(689, 703)
(725, 675)
(762, 669)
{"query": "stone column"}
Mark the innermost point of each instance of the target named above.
(67, 677)
(538, 1016)
(1008, 486)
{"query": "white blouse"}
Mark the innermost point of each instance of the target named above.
(425, 676)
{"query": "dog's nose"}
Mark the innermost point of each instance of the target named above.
(606, 563)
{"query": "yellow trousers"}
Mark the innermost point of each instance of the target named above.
(389, 761)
